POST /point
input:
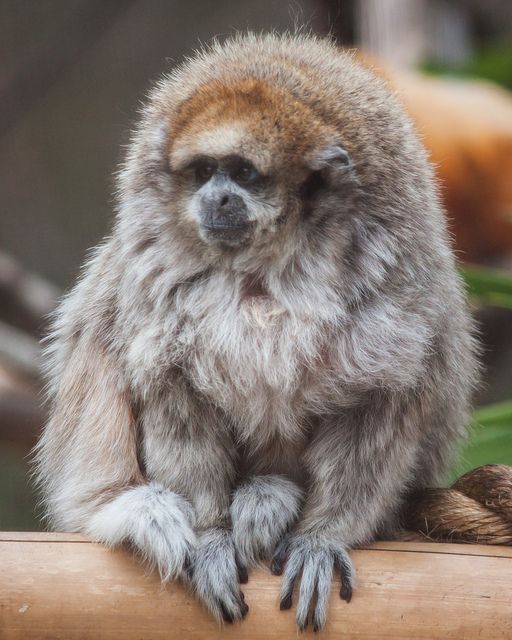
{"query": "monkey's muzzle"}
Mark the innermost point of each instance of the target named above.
(224, 219)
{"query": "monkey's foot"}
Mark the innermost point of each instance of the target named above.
(215, 575)
(314, 559)
(263, 509)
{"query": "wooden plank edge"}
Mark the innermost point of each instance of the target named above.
(406, 547)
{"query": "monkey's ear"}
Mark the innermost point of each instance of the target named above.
(331, 157)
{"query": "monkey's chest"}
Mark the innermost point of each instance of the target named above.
(263, 377)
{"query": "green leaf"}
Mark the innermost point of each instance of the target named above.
(490, 286)
(491, 61)
(494, 414)
(490, 441)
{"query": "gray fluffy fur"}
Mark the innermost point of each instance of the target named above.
(350, 379)
(262, 511)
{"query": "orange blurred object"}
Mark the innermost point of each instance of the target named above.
(467, 127)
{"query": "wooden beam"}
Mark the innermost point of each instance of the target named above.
(60, 586)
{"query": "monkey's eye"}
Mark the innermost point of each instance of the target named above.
(204, 170)
(245, 174)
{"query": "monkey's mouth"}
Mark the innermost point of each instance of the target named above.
(231, 232)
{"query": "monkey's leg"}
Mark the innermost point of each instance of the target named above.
(359, 466)
(88, 470)
(262, 510)
(189, 448)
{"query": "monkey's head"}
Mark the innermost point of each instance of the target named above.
(249, 163)
(269, 146)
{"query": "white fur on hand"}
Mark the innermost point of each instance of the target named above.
(262, 511)
(158, 522)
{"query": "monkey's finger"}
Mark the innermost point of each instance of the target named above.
(227, 615)
(346, 592)
(243, 576)
(243, 607)
(307, 589)
(241, 567)
(286, 594)
(233, 606)
(188, 567)
(291, 572)
(279, 557)
(323, 589)
(344, 565)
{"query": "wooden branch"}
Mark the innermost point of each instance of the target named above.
(61, 586)
(22, 412)
(21, 418)
(19, 351)
(26, 298)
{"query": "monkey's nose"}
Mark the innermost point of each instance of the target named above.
(224, 217)
(224, 210)
(230, 202)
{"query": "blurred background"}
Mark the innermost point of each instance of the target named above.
(72, 76)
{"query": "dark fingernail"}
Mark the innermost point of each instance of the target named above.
(276, 567)
(279, 557)
(316, 622)
(286, 602)
(346, 592)
(188, 567)
(245, 609)
(226, 615)
(243, 576)
(241, 568)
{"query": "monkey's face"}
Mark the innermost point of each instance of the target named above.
(231, 202)
(228, 200)
(252, 167)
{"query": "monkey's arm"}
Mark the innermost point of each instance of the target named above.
(87, 467)
(188, 444)
(358, 466)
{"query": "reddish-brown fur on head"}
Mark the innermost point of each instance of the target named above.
(273, 128)
(291, 112)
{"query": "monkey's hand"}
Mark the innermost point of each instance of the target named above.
(263, 509)
(156, 522)
(216, 573)
(313, 558)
